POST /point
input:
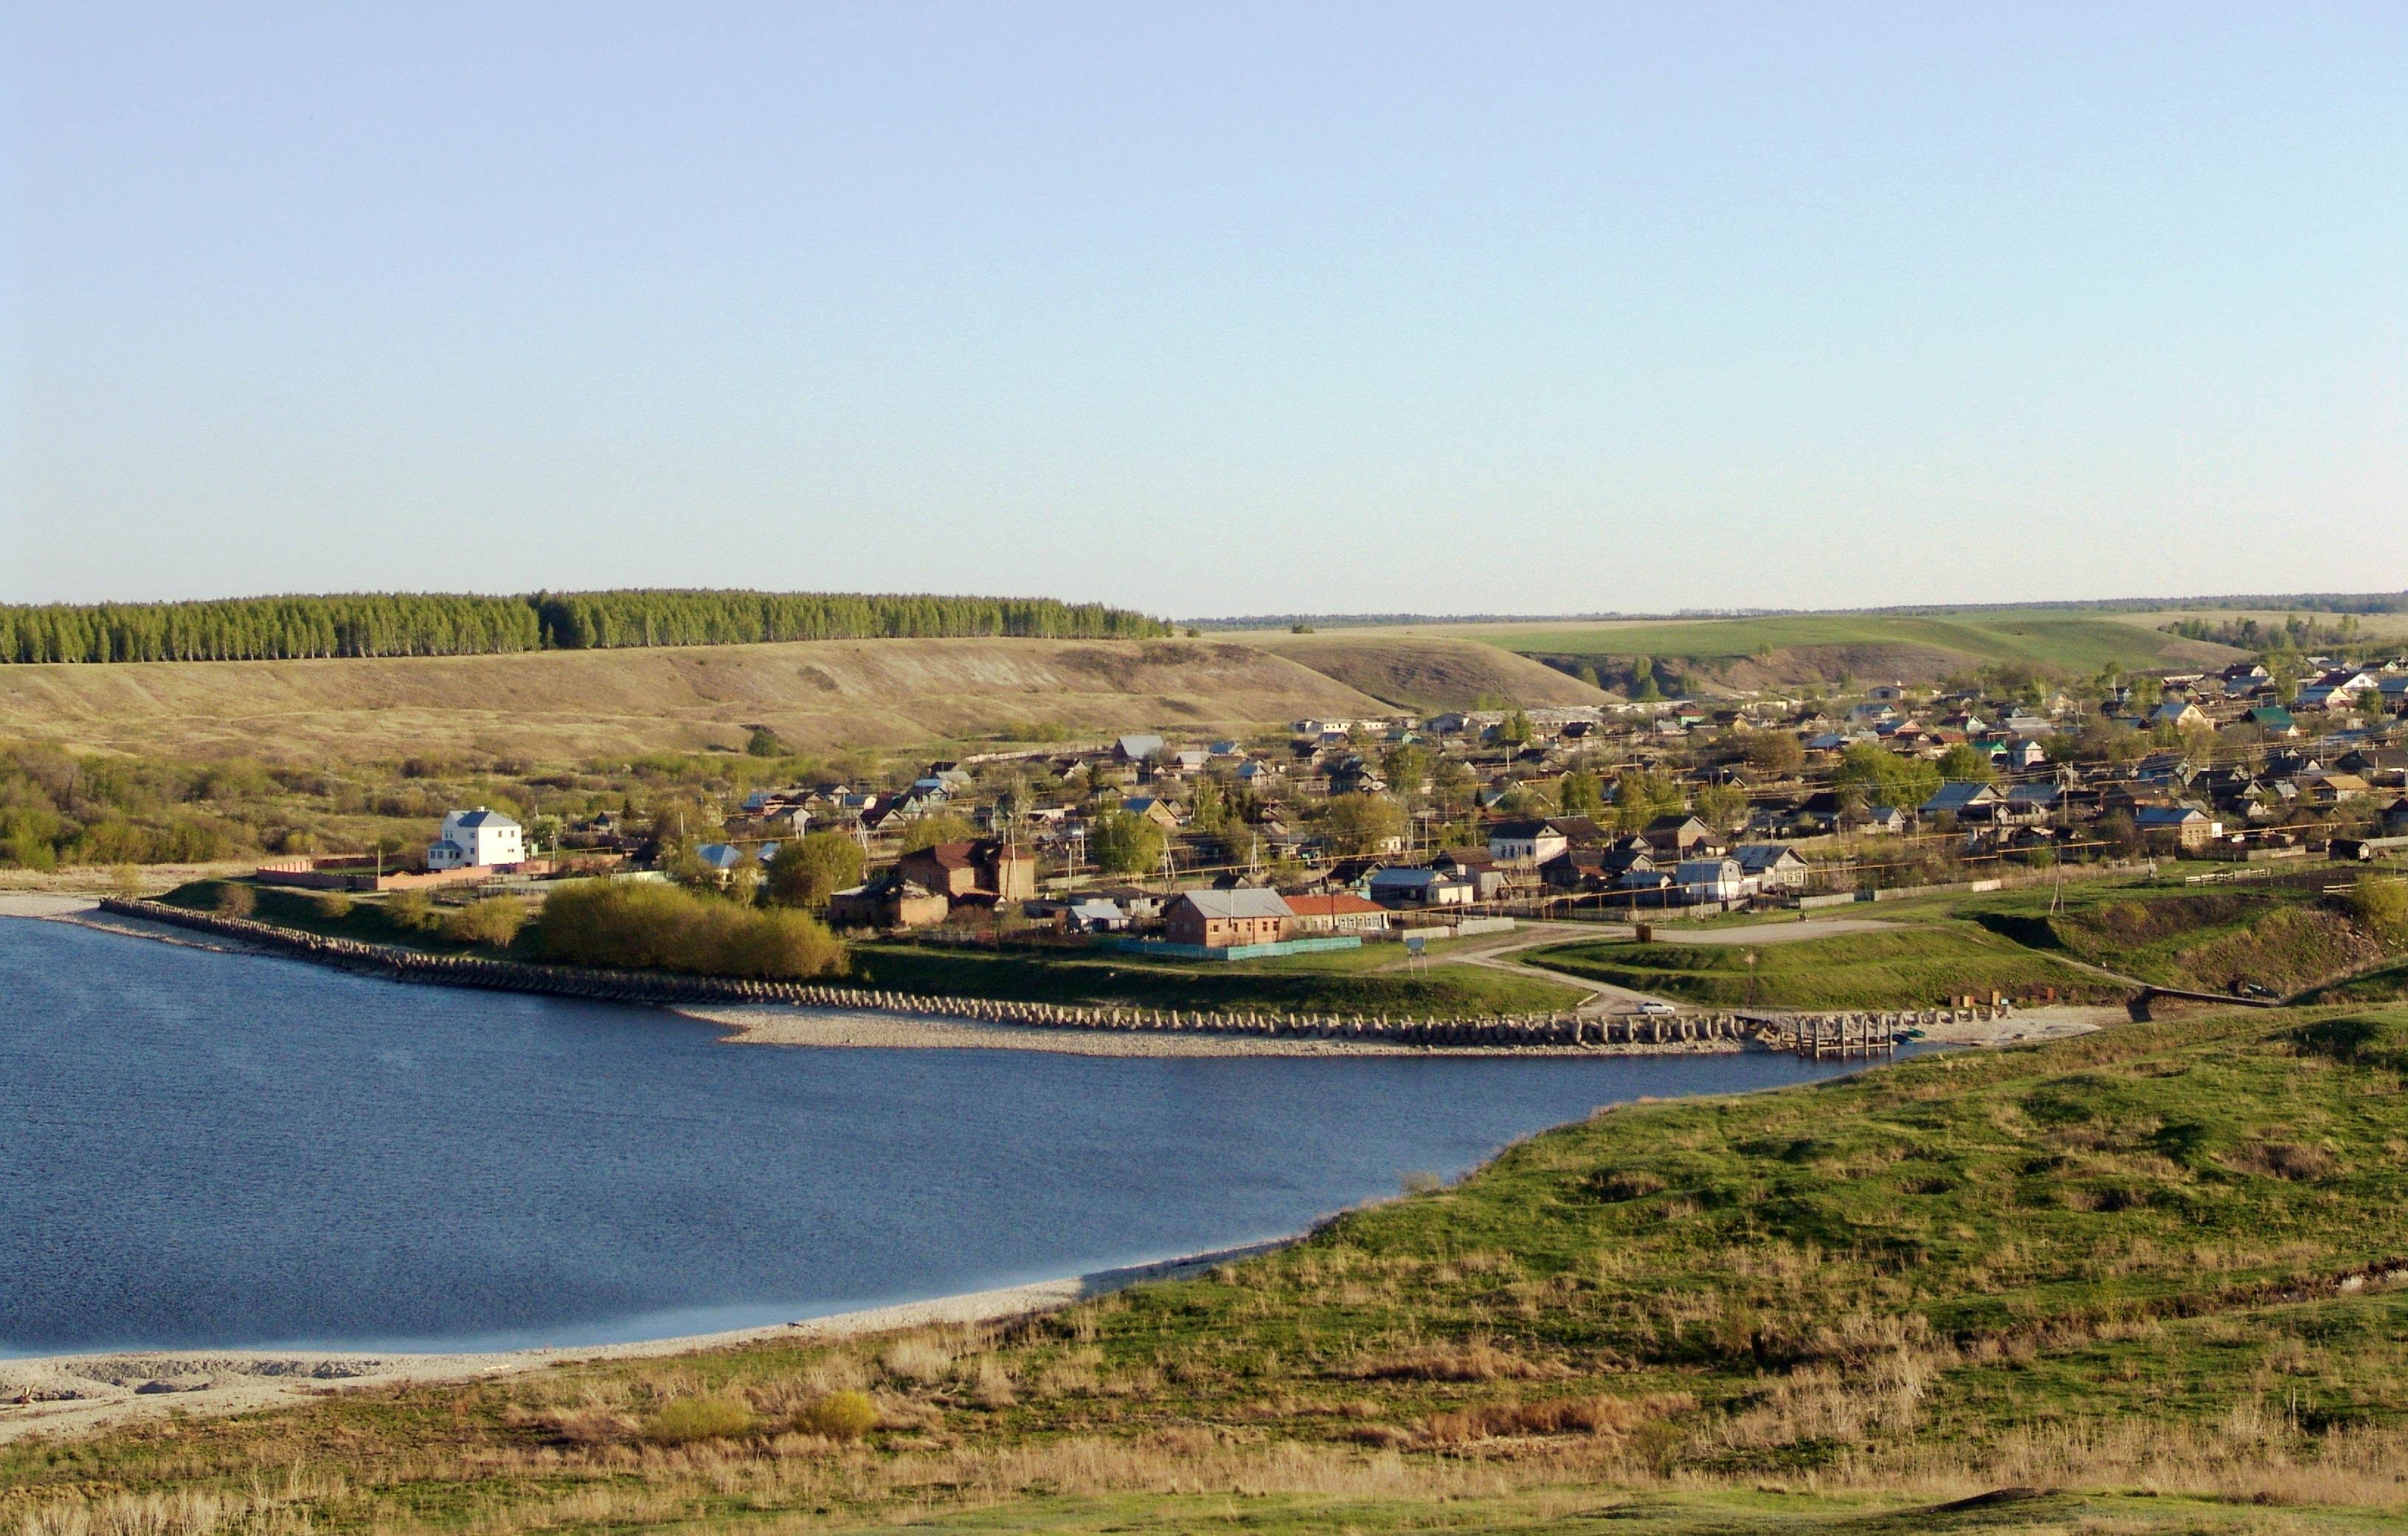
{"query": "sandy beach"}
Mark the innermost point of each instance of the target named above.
(54, 1394)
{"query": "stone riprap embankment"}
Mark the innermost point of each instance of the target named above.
(1528, 1031)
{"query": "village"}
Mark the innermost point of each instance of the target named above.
(1336, 832)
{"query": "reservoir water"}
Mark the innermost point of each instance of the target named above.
(200, 1149)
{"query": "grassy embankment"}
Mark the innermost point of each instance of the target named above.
(2152, 1267)
(1917, 966)
(2282, 939)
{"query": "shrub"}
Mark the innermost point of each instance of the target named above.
(334, 906)
(683, 1421)
(236, 901)
(126, 881)
(409, 910)
(659, 927)
(839, 1415)
(2380, 906)
(494, 921)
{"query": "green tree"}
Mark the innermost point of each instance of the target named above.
(1452, 786)
(1581, 794)
(939, 827)
(1776, 754)
(1405, 767)
(1361, 823)
(1721, 807)
(1644, 671)
(764, 742)
(808, 871)
(1640, 796)
(1884, 777)
(1125, 844)
(1517, 729)
(1966, 763)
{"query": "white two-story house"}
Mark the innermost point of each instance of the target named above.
(478, 837)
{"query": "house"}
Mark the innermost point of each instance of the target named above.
(1094, 915)
(1254, 771)
(475, 839)
(2026, 754)
(1677, 834)
(2319, 695)
(1579, 831)
(1151, 808)
(1772, 866)
(2332, 788)
(1528, 843)
(1338, 911)
(2030, 802)
(721, 858)
(1137, 749)
(1962, 798)
(1884, 818)
(1191, 761)
(1577, 869)
(2187, 825)
(2181, 713)
(1226, 919)
(889, 901)
(1482, 871)
(1405, 886)
(2395, 819)
(988, 870)
(1710, 879)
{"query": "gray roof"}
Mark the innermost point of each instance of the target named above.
(483, 817)
(1240, 902)
(1756, 857)
(1957, 794)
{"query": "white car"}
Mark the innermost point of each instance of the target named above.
(1657, 1008)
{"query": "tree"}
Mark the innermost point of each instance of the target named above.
(940, 826)
(1361, 823)
(1777, 754)
(1125, 844)
(764, 742)
(1967, 764)
(1516, 729)
(1640, 796)
(808, 871)
(1885, 778)
(1721, 807)
(1453, 784)
(1581, 794)
(1405, 767)
(1644, 670)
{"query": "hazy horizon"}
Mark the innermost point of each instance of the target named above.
(1559, 309)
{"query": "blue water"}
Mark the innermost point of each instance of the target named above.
(215, 1150)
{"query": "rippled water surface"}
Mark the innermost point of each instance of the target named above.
(208, 1148)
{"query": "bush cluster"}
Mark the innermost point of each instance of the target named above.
(628, 927)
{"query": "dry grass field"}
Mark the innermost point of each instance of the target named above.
(566, 704)
(1427, 672)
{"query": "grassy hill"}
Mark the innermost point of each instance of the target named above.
(2156, 1272)
(1920, 967)
(574, 704)
(1796, 648)
(2282, 940)
(1427, 673)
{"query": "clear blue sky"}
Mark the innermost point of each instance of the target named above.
(1206, 309)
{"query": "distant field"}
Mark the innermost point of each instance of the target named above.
(1917, 968)
(1428, 672)
(555, 704)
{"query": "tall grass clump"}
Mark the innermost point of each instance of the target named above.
(839, 1415)
(659, 927)
(682, 1421)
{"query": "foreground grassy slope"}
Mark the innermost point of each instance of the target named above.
(2160, 1267)
(576, 704)
(1918, 967)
